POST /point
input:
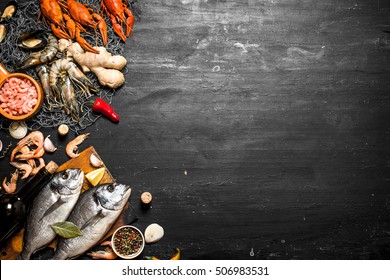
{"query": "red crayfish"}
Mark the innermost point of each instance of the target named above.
(119, 14)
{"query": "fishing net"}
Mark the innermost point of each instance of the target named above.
(26, 20)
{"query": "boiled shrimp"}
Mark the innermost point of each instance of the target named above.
(72, 146)
(34, 138)
(107, 254)
(39, 167)
(25, 151)
(10, 187)
(18, 96)
(25, 168)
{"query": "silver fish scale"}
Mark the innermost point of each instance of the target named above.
(93, 220)
(53, 204)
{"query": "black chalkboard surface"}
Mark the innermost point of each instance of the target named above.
(261, 128)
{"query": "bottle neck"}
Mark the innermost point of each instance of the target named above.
(32, 187)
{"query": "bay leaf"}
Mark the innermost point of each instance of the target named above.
(66, 229)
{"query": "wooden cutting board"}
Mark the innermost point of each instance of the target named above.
(14, 246)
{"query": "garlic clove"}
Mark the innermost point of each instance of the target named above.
(1, 146)
(95, 161)
(48, 145)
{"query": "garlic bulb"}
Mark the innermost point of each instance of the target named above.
(18, 129)
(95, 161)
(48, 145)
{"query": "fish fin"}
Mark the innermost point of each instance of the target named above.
(93, 220)
(53, 208)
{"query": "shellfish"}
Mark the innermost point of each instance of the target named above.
(9, 11)
(3, 32)
(34, 40)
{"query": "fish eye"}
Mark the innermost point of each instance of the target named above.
(65, 175)
(110, 188)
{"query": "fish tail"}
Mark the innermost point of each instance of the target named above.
(24, 255)
(59, 255)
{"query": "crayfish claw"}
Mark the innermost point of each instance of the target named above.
(85, 45)
(129, 21)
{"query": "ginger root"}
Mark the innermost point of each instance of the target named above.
(104, 65)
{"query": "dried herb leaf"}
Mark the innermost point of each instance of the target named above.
(66, 229)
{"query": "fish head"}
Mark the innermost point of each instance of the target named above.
(69, 181)
(113, 196)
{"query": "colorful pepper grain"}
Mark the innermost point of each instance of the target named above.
(127, 241)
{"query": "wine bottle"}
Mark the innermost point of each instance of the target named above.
(14, 207)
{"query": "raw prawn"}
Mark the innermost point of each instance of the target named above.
(44, 56)
(69, 99)
(66, 66)
(10, 187)
(72, 146)
(52, 101)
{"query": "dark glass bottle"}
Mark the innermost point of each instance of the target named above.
(14, 207)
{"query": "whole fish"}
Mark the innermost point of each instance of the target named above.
(95, 213)
(53, 204)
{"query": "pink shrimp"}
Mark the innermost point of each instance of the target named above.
(23, 87)
(18, 95)
(10, 187)
(13, 81)
(23, 167)
(107, 254)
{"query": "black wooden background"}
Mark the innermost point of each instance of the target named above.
(260, 127)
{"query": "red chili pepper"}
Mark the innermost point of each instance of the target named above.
(101, 106)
